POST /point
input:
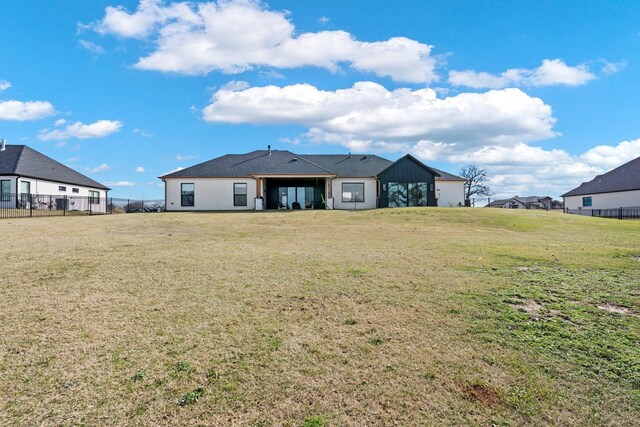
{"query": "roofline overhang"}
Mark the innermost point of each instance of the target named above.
(293, 175)
(599, 192)
(165, 177)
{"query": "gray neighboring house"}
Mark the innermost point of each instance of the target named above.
(518, 202)
(280, 179)
(618, 188)
(25, 172)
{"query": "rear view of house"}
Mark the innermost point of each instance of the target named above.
(31, 180)
(276, 179)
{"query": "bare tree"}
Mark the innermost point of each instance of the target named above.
(475, 184)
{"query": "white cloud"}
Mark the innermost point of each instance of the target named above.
(100, 168)
(369, 112)
(142, 133)
(140, 169)
(60, 122)
(91, 47)
(182, 158)
(612, 156)
(495, 130)
(612, 67)
(73, 159)
(79, 130)
(551, 72)
(22, 111)
(323, 20)
(237, 35)
(120, 184)
(4, 85)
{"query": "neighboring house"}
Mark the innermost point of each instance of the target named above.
(518, 202)
(27, 176)
(618, 188)
(274, 179)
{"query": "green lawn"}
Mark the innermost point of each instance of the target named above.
(389, 317)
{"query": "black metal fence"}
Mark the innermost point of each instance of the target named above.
(39, 205)
(134, 205)
(617, 213)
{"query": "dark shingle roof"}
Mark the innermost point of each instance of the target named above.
(350, 165)
(233, 165)
(294, 165)
(445, 176)
(25, 161)
(622, 178)
(498, 202)
(260, 162)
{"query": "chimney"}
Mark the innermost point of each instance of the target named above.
(3, 144)
(269, 147)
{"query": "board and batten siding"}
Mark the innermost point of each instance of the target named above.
(450, 193)
(370, 193)
(613, 200)
(406, 170)
(210, 194)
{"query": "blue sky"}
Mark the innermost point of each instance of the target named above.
(544, 95)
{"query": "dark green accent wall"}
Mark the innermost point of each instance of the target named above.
(406, 170)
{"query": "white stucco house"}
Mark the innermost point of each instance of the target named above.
(618, 188)
(29, 179)
(279, 179)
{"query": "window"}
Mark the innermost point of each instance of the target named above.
(239, 194)
(5, 190)
(25, 187)
(62, 188)
(353, 192)
(187, 192)
(403, 194)
(75, 190)
(94, 197)
(586, 202)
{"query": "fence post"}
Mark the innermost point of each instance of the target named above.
(30, 205)
(64, 206)
(90, 200)
(620, 213)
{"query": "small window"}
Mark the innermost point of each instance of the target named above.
(5, 190)
(187, 192)
(75, 190)
(94, 197)
(353, 192)
(25, 187)
(62, 188)
(586, 202)
(239, 194)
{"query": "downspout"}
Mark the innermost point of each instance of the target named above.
(17, 189)
(165, 194)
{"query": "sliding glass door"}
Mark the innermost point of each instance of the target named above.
(296, 197)
(403, 194)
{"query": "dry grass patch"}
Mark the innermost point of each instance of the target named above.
(312, 318)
